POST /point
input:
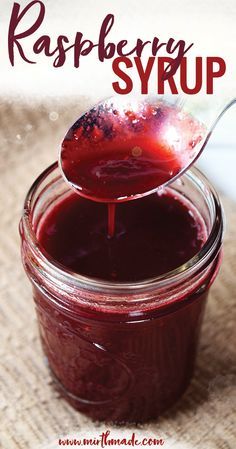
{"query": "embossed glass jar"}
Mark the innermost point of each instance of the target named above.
(120, 351)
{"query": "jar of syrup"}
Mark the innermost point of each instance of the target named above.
(121, 339)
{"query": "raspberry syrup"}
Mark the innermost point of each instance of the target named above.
(115, 153)
(120, 365)
(153, 235)
(119, 353)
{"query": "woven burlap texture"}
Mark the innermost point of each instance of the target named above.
(31, 413)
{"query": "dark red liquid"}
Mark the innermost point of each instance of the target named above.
(116, 367)
(153, 235)
(113, 363)
(111, 154)
(110, 362)
(118, 354)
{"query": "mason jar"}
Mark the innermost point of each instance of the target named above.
(121, 352)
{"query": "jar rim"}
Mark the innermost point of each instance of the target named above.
(207, 253)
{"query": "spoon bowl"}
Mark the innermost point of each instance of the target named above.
(123, 149)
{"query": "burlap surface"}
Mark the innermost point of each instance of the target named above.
(31, 413)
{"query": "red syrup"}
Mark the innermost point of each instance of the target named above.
(111, 220)
(122, 354)
(110, 364)
(154, 235)
(115, 154)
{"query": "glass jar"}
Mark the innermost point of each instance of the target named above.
(122, 352)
